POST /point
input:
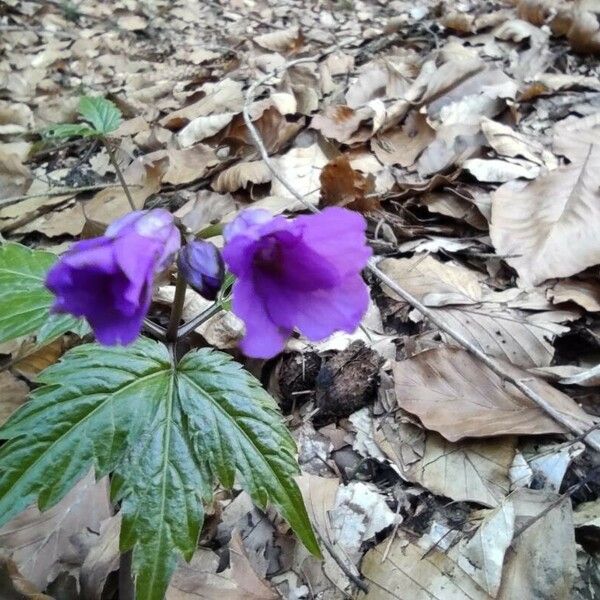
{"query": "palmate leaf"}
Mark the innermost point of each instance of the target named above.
(24, 301)
(104, 116)
(167, 433)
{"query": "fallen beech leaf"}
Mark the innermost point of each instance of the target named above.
(240, 175)
(224, 96)
(437, 385)
(433, 282)
(466, 471)
(15, 118)
(340, 122)
(14, 393)
(341, 185)
(41, 543)
(13, 586)
(69, 220)
(496, 170)
(301, 168)
(203, 127)
(552, 224)
(402, 146)
(14, 175)
(205, 207)
(32, 364)
(585, 293)
(131, 22)
(584, 33)
(288, 40)
(186, 165)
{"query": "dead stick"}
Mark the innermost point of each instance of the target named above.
(60, 192)
(424, 310)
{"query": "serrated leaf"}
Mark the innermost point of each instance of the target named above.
(167, 432)
(24, 300)
(101, 113)
(68, 130)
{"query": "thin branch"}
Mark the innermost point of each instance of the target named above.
(115, 164)
(188, 327)
(348, 571)
(539, 400)
(59, 192)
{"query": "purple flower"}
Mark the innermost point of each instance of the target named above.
(301, 274)
(108, 280)
(202, 266)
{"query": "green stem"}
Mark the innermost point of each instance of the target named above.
(176, 310)
(115, 164)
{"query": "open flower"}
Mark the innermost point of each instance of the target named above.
(108, 280)
(303, 273)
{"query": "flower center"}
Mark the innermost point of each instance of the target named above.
(268, 257)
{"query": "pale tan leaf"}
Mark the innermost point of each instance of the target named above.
(224, 96)
(202, 127)
(451, 205)
(204, 208)
(471, 470)
(244, 575)
(508, 142)
(402, 569)
(40, 543)
(433, 282)
(187, 165)
(14, 393)
(402, 146)
(240, 175)
(340, 122)
(548, 541)
(15, 118)
(521, 339)
(572, 137)
(32, 364)
(101, 560)
(493, 170)
(14, 175)
(301, 168)
(286, 40)
(132, 22)
(111, 203)
(551, 225)
(13, 586)
(61, 221)
(437, 385)
(585, 293)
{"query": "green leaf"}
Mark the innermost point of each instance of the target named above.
(168, 433)
(101, 113)
(68, 130)
(24, 300)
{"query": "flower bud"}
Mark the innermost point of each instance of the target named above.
(202, 266)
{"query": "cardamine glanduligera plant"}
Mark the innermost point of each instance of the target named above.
(164, 428)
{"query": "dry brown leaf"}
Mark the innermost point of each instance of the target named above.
(340, 122)
(41, 543)
(341, 185)
(32, 364)
(301, 168)
(243, 573)
(521, 339)
(548, 542)
(500, 171)
(437, 385)
(69, 220)
(551, 226)
(224, 96)
(403, 146)
(203, 127)
(402, 569)
(15, 118)
(585, 293)
(101, 560)
(287, 41)
(240, 175)
(433, 282)
(132, 22)
(14, 175)
(572, 137)
(112, 203)
(508, 142)
(200, 579)
(584, 32)
(14, 393)
(13, 586)
(457, 207)
(186, 165)
(204, 208)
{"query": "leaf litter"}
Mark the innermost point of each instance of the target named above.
(467, 134)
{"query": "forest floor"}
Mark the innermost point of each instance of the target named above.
(467, 133)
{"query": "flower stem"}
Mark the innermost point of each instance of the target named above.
(176, 309)
(115, 164)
